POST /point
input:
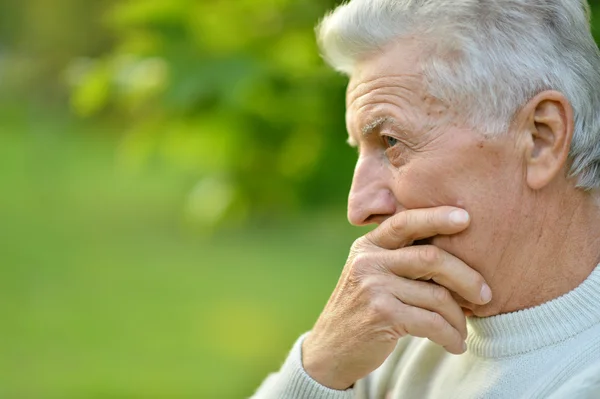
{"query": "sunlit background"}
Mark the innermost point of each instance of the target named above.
(172, 212)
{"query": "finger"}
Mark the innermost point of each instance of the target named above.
(432, 297)
(402, 229)
(426, 324)
(428, 262)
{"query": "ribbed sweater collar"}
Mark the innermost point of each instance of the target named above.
(531, 329)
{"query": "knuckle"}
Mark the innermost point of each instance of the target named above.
(436, 322)
(429, 255)
(400, 222)
(360, 262)
(372, 286)
(381, 309)
(440, 295)
(360, 244)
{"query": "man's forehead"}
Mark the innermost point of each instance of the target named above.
(368, 99)
(393, 83)
(398, 59)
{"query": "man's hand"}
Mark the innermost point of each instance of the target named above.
(389, 289)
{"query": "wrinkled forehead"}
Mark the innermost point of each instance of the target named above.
(363, 88)
(391, 83)
(396, 65)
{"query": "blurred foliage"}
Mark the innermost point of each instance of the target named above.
(233, 93)
(103, 296)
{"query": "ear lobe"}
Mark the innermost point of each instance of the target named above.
(550, 134)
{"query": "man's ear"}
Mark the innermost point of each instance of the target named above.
(548, 129)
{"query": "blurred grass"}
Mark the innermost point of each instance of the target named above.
(105, 294)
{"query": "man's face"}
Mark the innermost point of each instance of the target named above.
(414, 153)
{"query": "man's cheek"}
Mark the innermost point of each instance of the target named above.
(428, 186)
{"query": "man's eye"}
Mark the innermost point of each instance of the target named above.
(390, 141)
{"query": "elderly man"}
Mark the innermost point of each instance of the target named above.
(477, 124)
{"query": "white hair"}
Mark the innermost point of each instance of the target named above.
(489, 57)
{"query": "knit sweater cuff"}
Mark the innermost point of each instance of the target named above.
(292, 382)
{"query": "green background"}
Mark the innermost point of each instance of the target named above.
(172, 211)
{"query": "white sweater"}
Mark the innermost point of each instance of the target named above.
(549, 351)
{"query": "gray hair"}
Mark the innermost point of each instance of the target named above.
(488, 56)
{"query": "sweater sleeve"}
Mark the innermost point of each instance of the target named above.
(292, 382)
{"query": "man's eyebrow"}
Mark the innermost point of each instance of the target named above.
(378, 123)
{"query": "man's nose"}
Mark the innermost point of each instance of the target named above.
(371, 199)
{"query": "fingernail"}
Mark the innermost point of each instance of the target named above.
(486, 293)
(464, 347)
(459, 217)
